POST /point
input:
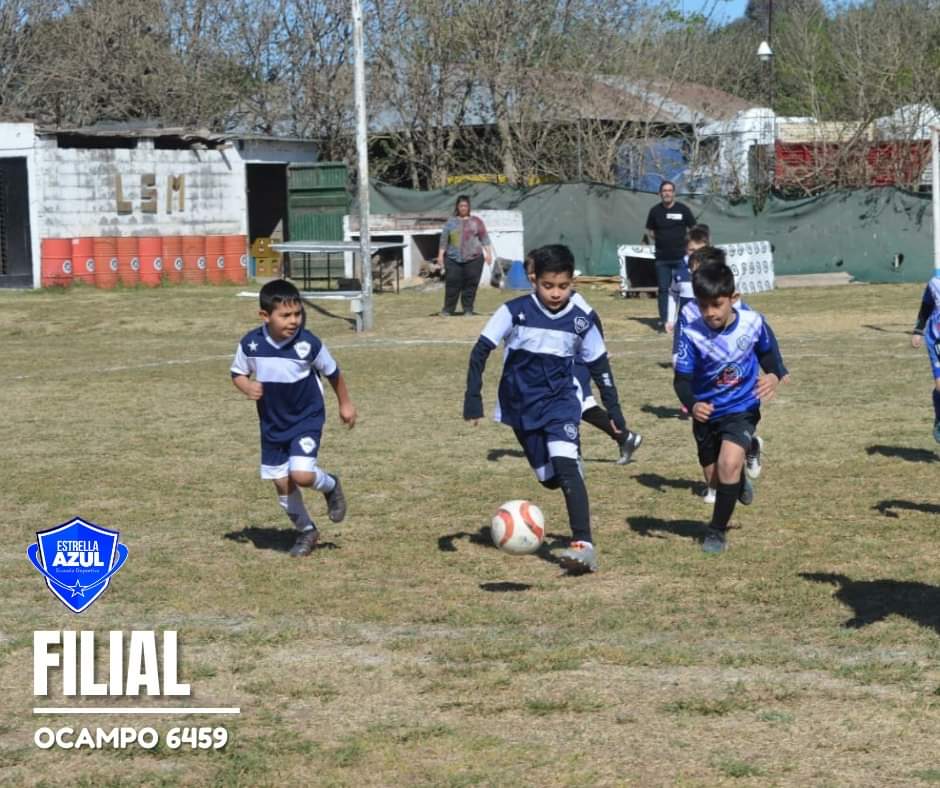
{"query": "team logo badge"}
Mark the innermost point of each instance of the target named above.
(308, 444)
(729, 376)
(581, 324)
(571, 431)
(77, 559)
(303, 349)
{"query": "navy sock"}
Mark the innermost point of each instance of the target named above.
(600, 418)
(725, 501)
(936, 404)
(576, 497)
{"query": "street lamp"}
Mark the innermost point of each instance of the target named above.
(764, 52)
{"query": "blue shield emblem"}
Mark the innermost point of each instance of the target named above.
(77, 559)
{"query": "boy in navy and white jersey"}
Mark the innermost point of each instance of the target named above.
(927, 329)
(278, 365)
(545, 332)
(680, 291)
(717, 379)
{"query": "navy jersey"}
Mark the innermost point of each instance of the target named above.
(928, 320)
(723, 364)
(290, 373)
(537, 386)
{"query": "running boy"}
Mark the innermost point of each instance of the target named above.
(928, 327)
(680, 291)
(717, 380)
(544, 333)
(279, 365)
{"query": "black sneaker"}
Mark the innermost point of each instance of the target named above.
(746, 496)
(446, 313)
(716, 541)
(336, 502)
(306, 541)
(628, 446)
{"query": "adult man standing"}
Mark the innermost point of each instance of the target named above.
(667, 223)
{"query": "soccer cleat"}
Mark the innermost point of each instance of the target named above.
(710, 495)
(746, 496)
(336, 502)
(306, 541)
(579, 558)
(716, 541)
(752, 465)
(936, 430)
(628, 446)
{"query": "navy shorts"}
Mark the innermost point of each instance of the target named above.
(738, 428)
(298, 454)
(556, 439)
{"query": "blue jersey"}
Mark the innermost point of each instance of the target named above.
(723, 364)
(928, 320)
(290, 371)
(537, 385)
(582, 375)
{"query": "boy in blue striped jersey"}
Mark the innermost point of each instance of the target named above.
(545, 333)
(278, 365)
(927, 330)
(717, 378)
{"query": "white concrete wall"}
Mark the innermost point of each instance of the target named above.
(18, 140)
(79, 194)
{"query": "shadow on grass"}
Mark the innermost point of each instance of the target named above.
(504, 587)
(661, 412)
(659, 483)
(482, 538)
(495, 455)
(326, 313)
(871, 327)
(886, 506)
(650, 322)
(654, 527)
(279, 539)
(904, 453)
(875, 600)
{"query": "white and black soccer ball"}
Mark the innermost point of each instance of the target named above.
(518, 527)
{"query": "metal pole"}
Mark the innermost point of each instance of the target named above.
(935, 194)
(362, 157)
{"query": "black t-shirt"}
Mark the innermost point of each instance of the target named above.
(670, 227)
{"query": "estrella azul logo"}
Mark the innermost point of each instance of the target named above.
(77, 559)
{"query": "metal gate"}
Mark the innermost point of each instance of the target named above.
(317, 200)
(16, 260)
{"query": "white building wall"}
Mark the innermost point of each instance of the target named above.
(79, 191)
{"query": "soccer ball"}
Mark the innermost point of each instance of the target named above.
(518, 527)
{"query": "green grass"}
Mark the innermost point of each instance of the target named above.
(407, 650)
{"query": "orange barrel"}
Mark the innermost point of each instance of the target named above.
(150, 252)
(215, 259)
(173, 258)
(106, 262)
(128, 261)
(83, 260)
(56, 262)
(194, 259)
(236, 258)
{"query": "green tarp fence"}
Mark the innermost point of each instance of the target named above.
(858, 232)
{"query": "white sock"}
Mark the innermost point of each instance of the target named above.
(293, 504)
(324, 482)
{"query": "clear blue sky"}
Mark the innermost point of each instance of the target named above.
(719, 10)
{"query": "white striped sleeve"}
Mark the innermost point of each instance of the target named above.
(592, 345)
(241, 364)
(324, 363)
(499, 326)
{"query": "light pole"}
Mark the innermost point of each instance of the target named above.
(362, 156)
(766, 56)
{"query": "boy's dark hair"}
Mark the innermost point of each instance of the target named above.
(277, 292)
(552, 259)
(462, 198)
(707, 255)
(713, 280)
(700, 234)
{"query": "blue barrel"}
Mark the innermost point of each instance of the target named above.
(517, 279)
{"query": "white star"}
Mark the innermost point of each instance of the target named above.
(77, 589)
(522, 316)
(252, 346)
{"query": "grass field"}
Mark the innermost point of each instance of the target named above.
(407, 650)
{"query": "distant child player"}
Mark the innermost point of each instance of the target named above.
(680, 290)
(717, 380)
(279, 365)
(544, 333)
(928, 330)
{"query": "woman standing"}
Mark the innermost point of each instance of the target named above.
(466, 244)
